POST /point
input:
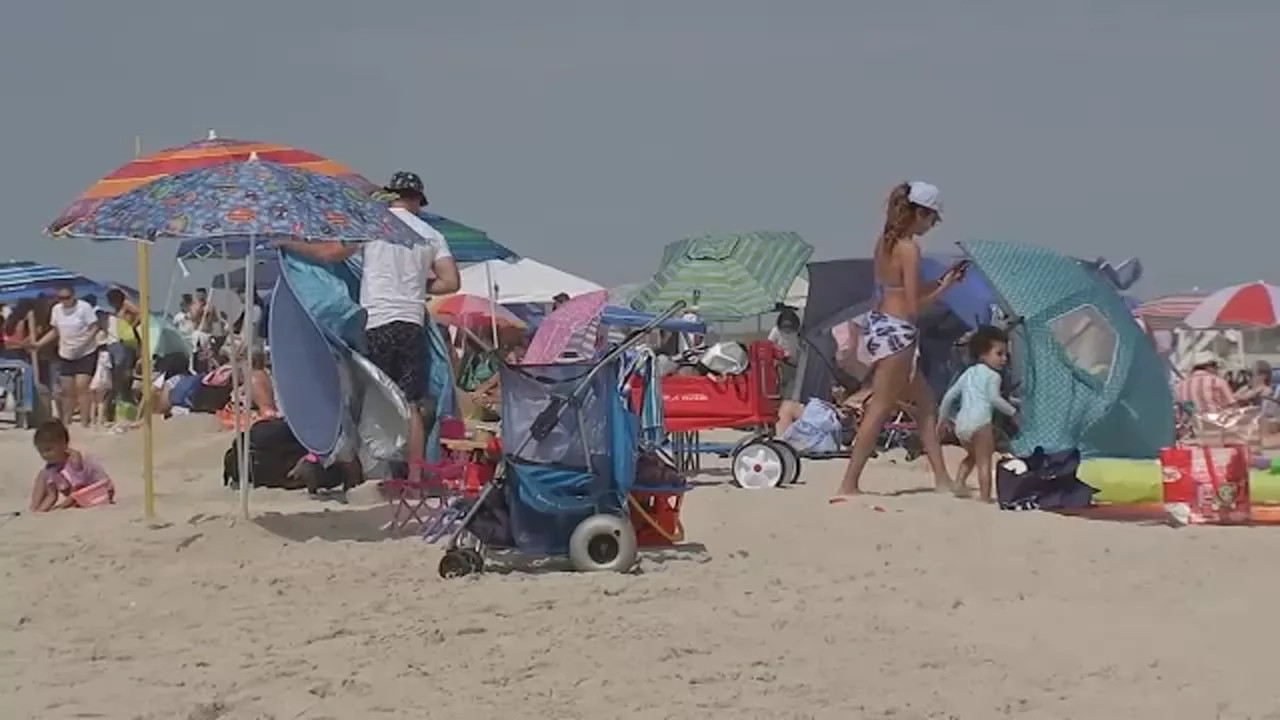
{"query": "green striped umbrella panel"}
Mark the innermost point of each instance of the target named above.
(727, 277)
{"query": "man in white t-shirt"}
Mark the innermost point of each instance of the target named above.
(397, 280)
(74, 326)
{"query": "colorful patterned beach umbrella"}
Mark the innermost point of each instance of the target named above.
(471, 311)
(467, 243)
(240, 201)
(22, 279)
(1252, 305)
(213, 150)
(727, 277)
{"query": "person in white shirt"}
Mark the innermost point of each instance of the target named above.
(74, 326)
(397, 280)
(786, 335)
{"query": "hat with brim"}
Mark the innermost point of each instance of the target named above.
(924, 195)
(406, 183)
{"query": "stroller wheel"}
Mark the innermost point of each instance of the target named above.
(456, 563)
(790, 461)
(603, 543)
(758, 465)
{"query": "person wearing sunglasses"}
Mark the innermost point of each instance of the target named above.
(74, 327)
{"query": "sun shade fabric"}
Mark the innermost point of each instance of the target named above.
(733, 276)
(1088, 376)
(522, 281)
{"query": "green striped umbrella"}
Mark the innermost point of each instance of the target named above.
(728, 277)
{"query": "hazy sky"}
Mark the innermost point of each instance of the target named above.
(588, 134)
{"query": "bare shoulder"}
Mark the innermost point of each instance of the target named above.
(906, 249)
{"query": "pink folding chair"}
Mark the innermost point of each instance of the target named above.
(423, 500)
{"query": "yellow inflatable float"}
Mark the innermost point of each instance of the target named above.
(1132, 489)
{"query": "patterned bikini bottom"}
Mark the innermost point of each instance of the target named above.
(881, 335)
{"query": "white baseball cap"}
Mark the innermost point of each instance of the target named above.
(924, 195)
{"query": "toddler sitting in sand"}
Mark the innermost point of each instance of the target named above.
(69, 479)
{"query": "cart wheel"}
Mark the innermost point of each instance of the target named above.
(758, 465)
(474, 559)
(455, 564)
(603, 543)
(790, 462)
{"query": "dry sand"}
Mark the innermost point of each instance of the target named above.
(781, 607)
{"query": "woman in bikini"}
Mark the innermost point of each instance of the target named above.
(887, 335)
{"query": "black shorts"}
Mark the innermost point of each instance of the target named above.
(86, 365)
(397, 349)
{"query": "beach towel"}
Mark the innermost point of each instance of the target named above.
(643, 367)
(817, 431)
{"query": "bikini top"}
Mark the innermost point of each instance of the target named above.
(881, 285)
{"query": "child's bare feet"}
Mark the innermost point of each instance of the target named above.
(962, 491)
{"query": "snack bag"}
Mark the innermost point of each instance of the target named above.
(1206, 485)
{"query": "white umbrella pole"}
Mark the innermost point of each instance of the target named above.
(493, 302)
(228, 344)
(246, 342)
(168, 295)
(227, 291)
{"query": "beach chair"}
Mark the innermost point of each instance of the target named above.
(425, 500)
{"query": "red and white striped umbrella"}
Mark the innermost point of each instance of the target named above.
(1167, 312)
(1252, 305)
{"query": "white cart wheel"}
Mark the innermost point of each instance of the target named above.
(603, 543)
(790, 462)
(758, 465)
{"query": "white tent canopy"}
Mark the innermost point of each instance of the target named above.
(798, 294)
(524, 281)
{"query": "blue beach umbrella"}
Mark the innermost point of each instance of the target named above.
(21, 279)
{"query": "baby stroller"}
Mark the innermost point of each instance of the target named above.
(569, 458)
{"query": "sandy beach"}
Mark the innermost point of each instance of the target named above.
(903, 605)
